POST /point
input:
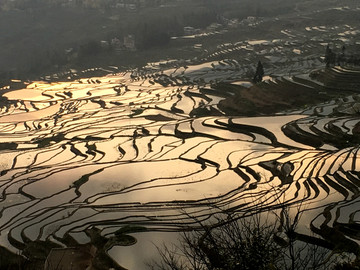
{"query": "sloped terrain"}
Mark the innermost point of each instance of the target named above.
(130, 149)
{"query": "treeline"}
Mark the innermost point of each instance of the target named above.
(342, 57)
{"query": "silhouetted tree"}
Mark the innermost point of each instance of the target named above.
(251, 243)
(341, 58)
(327, 55)
(330, 57)
(259, 74)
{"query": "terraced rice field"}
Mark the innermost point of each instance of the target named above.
(123, 150)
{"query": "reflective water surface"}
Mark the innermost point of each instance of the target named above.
(127, 151)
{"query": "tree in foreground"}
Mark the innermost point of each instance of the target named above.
(248, 243)
(244, 244)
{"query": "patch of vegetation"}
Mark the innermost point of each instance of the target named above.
(38, 250)
(240, 243)
(10, 261)
(136, 112)
(44, 142)
(8, 146)
(103, 244)
(288, 94)
(83, 179)
(33, 256)
(130, 229)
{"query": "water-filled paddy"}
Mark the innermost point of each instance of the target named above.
(99, 158)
